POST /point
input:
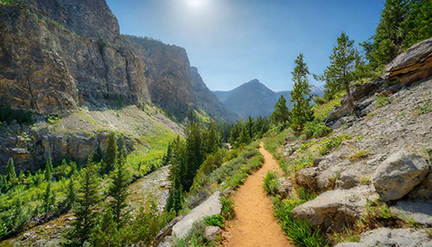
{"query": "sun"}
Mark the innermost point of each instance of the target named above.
(195, 3)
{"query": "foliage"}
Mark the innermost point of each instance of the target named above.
(301, 111)
(315, 130)
(48, 169)
(215, 220)
(382, 100)
(22, 117)
(281, 114)
(111, 152)
(195, 237)
(118, 192)
(299, 232)
(274, 140)
(87, 200)
(271, 183)
(402, 24)
(227, 211)
(328, 144)
(358, 155)
(10, 170)
(341, 71)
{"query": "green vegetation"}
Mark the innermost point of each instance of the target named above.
(271, 183)
(22, 117)
(215, 220)
(382, 100)
(281, 114)
(302, 111)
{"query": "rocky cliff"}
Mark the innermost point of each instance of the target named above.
(57, 55)
(66, 56)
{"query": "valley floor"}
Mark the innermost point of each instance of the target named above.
(254, 224)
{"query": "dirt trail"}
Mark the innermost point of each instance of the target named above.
(254, 224)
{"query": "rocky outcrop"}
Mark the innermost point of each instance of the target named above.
(336, 208)
(210, 207)
(392, 237)
(412, 65)
(423, 190)
(399, 174)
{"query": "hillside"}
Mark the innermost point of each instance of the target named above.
(251, 99)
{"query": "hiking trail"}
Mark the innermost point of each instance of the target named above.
(254, 224)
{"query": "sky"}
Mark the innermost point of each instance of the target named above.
(234, 41)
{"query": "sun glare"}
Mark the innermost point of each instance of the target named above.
(195, 3)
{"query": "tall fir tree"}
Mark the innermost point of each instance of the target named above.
(212, 139)
(301, 111)
(48, 198)
(118, 190)
(71, 195)
(281, 114)
(111, 152)
(341, 71)
(87, 200)
(194, 153)
(10, 170)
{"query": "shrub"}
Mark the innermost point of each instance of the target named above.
(315, 130)
(215, 220)
(271, 184)
(227, 207)
(382, 100)
(331, 143)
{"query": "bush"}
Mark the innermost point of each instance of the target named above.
(215, 220)
(227, 207)
(271, 184)
(315, 130)
(382, 100)
(22, 117)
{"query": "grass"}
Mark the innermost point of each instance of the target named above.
(271, 183)
(274, 139)
(322, 111)
(382, 100)
(358, 155)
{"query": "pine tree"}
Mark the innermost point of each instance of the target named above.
(71, 196)
(118, 191)
(249, 127)
(10, 170)
(48, 198)
(341, 71)
(281, 114)
(301, 111)
(87, 200)
(212, 139)
(121, 146)
(48, 169)
(111, 152)
(194, 154)
(73, 171)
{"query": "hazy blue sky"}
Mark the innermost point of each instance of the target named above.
(234, 41)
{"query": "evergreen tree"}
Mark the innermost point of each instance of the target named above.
(250, 127)
(281, 114)
(48, 198)
(341, 71)
(48, 169)
(111, 152)
(10, 170)
(118, 191)
(301, 111)
(121, 147)
(87, 199)
(244, 137)
(73, 171)
(194, 153)
(175, 199)
(70, 197)
(168, 155)
(212, 139)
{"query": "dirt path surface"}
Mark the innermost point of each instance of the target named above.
(254, 224)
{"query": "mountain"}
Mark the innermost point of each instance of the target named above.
(79, 59)
(251, 99)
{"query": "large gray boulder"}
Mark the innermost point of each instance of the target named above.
(385, 237)
(399, 174)
(418, 210)
(423, 190)
(210, 207)
(336, 208)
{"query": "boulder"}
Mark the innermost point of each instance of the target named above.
(412, 65)
(210, 207)
(285, 187)
(399, 174)
(308, 177)
(385, 237)
(420, 211)
(423, 190)
(211, 232)
(336, 208)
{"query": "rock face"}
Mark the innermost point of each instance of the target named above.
(399, 174)
(56, 55)
(392, 237)
(412, 65)
(335, 208)
(210, 207)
